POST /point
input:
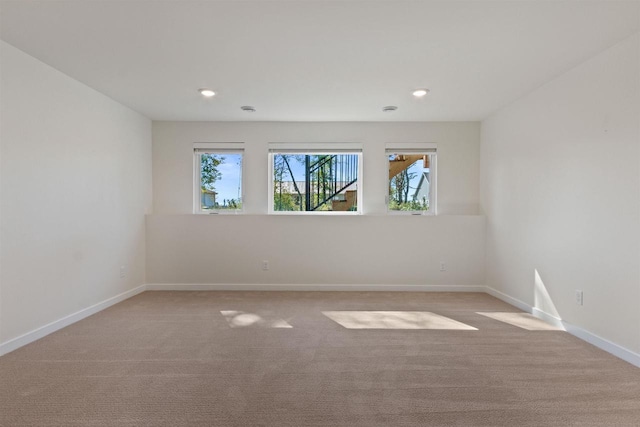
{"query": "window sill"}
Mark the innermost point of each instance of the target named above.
(322, 213)
(414, 213)
(233, 212)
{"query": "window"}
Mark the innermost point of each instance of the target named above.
(305, 179)
(218, 177)
(412, 178)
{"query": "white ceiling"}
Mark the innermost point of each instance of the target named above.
(315, 60)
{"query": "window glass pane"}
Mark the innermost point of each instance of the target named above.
(220, 181)
(315, 182)
(409, 182)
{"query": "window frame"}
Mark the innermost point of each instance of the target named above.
(429, 149)
(314, 149)
(200, 148)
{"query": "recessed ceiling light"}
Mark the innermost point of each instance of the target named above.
(419, 93)
(389, 108)
(248, 108)
(207, 92)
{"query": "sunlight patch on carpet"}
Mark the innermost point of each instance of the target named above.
(395, 320)
(522, 320)
(241, 319)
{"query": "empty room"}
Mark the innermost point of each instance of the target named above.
(319, 213)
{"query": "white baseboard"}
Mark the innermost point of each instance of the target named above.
(42, 331)
(603, 344)
(549, 318)
(307, 287)
(508, 299)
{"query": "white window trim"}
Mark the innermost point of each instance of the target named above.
(411, 147)
(214, 148)
(429, 148)
(327, 147)
(315, 148)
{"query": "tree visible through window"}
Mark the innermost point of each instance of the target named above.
(220, 181)
(411, 179)
(315, 182)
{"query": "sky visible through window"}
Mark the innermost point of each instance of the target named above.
(229, 186)
(297, 164)
(414, 171)
(297, 167)
(331, 184)
(409, 188)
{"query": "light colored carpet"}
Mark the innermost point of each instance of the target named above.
(285, 359)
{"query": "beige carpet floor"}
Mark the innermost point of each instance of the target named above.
(315, 359)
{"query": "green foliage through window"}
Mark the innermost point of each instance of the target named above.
(315, 182)
(220, 181)
(409, 182)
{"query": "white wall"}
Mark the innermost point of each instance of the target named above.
(560, 187)
(76, 184)
(344, 250)
(368, 249)
(458, 158)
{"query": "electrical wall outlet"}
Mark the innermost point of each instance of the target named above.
(579, 297)
(122, 271)
(265, 265)
(443, 266)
